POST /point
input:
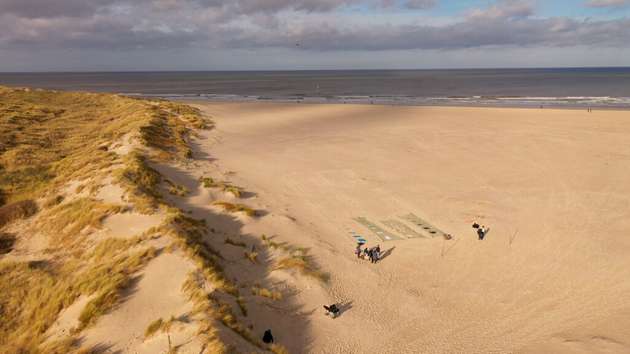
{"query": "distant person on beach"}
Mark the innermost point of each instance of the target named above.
(358, 250)
(366, 253)
(481, 231)
(370, 253)
(267, 337)
(375, 253)
(332, 310)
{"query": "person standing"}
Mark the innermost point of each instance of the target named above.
(481, 232)
(267, 337)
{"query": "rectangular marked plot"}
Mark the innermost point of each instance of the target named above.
(425, 226)
(382, 234)
(402, 229)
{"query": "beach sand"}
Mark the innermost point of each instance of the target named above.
(551, 276)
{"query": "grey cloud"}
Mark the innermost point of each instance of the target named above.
(245, 24)
(467, 34)
(46, 9)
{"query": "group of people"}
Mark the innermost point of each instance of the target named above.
(373, 253)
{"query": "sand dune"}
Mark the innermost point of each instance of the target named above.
(551, 275)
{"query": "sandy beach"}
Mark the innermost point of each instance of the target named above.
(551, 275)
(150, 226)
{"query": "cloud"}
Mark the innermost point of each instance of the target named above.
(504, 10)
(313, 25)
(607, 3)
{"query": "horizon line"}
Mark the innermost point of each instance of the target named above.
(310, 70)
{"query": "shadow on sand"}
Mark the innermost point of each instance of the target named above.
(286, 318)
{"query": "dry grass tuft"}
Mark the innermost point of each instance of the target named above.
(66, 222)
(234, 190)
(270, 294)
(16, 211)
(175, 189)
(252, 256)
(240, 301)
(141, 182)
(52, 201)
(236, 208)
(153, 328)
(209, 182)
(270, 243)
(300, 260)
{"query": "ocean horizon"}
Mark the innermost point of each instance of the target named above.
(522, 87)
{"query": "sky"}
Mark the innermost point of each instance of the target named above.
(147, 35)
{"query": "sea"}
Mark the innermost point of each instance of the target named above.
(545, 87)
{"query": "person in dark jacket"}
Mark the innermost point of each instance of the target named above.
(267, 337)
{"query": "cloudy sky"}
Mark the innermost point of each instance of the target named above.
(94, 35)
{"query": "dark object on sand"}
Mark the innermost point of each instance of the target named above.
(475, 226)
(332, 310)
(482, 231)
(267, 337)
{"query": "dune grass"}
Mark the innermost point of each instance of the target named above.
(209, 182)
(141, 182)
(236, 208)
(67, 221)
(264, 292)
(16, 211)
(49, 140)
(240, 301)
(33, 293)
(252, 256)
(153, 327)
(175, 189)
(300, 260)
